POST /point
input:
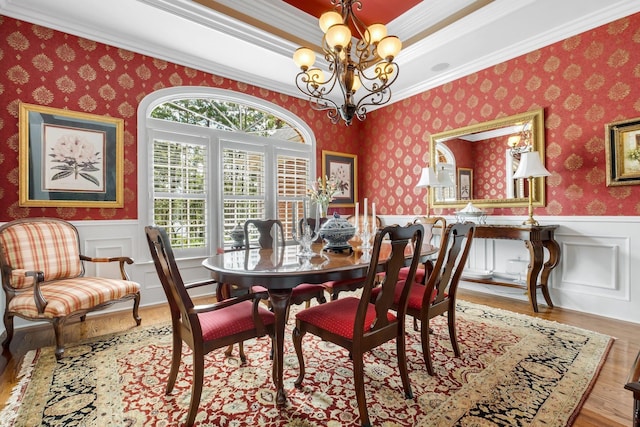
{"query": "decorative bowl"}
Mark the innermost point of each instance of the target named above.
(471, 213)
(337, 232)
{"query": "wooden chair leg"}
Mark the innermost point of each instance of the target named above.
(176, 355)
(196, 387)
(8, 327)
(59, 333)
(451, 319)
(426, 351)
(402, 365)
(297, 344)
(358, 379)
(136, 305)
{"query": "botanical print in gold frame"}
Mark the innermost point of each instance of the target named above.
(622, 146)
(345, 168)
(70, 159)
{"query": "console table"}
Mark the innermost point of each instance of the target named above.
(536, 238)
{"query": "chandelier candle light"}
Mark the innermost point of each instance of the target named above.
(365, 62)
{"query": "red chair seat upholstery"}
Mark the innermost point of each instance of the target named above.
(232, 320)
(416, 294)
(338, 317)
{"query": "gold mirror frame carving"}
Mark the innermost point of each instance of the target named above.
(537, 135)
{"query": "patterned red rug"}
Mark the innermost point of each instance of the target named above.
(514, 370)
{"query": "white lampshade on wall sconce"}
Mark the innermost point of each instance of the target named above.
(427, 180)
(530, 167)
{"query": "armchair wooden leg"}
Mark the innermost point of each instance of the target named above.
(8, 326)
(58, 323)
(136, 305)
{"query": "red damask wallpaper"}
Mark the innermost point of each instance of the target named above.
(46, 67)
(582, 83)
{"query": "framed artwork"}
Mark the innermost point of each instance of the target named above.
(465, 184)
(345, 168)
(622, 146)
(70, 159)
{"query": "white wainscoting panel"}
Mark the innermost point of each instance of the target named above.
(600, 259)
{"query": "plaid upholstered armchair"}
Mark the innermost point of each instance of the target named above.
(43, 276)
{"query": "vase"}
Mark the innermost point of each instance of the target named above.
(323, 209)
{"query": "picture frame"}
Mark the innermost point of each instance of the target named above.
(344, 167)
(465, 184)
(70, 159)
(622, 150)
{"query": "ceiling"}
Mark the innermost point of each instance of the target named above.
(253, 41)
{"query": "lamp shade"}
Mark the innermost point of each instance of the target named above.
(338, 36)
(427, 179)
(328, 19)
(375, 33)
(389, 47)
(530, 166)
(304, 57)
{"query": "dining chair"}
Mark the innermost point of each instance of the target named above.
(438, 295)
(358, 325)
(44, 280)
(203, 328)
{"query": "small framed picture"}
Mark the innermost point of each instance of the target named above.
(343, 167)
(70, 159)
(622, 146)
(465, 184)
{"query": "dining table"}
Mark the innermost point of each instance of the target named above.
(281, 269)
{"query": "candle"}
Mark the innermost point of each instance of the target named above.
(374, 222)
(357, 210)
(364, 219)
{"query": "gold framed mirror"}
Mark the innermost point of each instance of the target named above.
(476, 163)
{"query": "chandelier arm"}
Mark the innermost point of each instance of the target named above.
(385, 74)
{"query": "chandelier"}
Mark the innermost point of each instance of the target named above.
(362, 67)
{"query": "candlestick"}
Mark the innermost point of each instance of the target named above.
(374, 222)
(365, 219)
(357, 211)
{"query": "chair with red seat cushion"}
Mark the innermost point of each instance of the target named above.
(43, 277)
(430, 224)
(358, 325)
(439, 294)
(203, 328)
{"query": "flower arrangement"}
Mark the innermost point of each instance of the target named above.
(322, 191)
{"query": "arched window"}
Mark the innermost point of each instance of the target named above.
(210, 159)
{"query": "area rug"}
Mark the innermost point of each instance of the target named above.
(513, 370)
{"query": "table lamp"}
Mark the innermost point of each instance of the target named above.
(427, 180)
(530, 167)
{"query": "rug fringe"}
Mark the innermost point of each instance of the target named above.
(10, 411)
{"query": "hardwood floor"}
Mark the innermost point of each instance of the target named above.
(608, 404)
